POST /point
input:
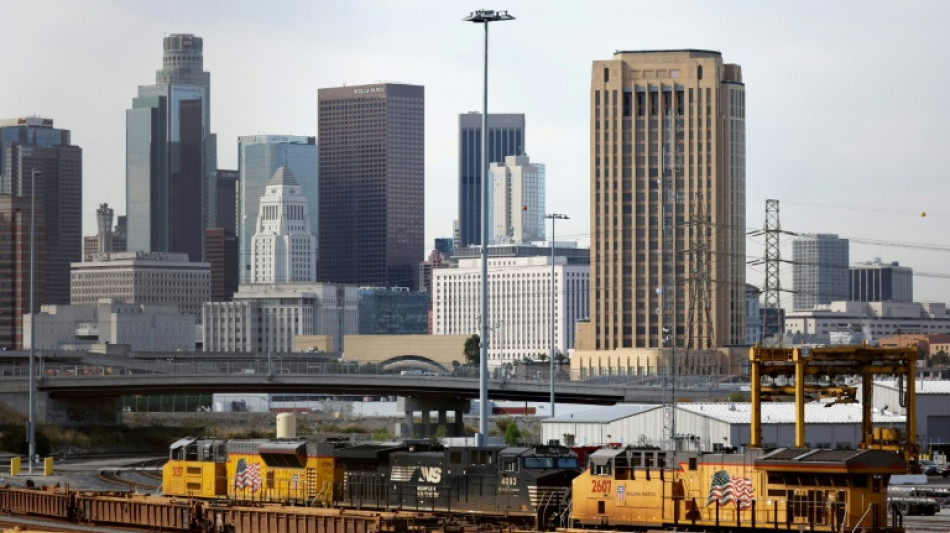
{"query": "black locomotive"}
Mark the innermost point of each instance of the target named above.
(527, 485)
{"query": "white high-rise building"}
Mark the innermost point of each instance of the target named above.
(259, 156)
(283, 249)
(519, 300)
(516, 206)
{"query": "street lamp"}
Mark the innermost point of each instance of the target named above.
(554, 217)
(484, 16)
(31, 434)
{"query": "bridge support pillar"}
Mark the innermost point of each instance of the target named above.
(425, 406)
(84, 411)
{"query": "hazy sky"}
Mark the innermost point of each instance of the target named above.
(847, 102)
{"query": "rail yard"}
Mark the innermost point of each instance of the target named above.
(294, 483)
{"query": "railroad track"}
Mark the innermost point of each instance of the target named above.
(17, 523)
(133, 477)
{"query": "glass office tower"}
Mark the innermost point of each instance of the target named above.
(171, 155)
(372, 182)
(32, 144)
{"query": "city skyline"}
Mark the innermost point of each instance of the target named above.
(816, 139)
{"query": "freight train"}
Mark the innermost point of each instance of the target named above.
(524, 485)
(544, 486)
(214, 485)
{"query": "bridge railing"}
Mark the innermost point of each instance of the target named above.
(296, 366)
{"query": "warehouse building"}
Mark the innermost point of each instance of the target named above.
(713, 426)
(933, 417)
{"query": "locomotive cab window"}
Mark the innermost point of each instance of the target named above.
(509, 465)
(538, 462)
(567, 462)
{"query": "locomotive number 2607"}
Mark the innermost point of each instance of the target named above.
(600, 485)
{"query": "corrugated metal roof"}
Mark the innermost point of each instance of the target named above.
(864, 461)
(924, 386)
(784, 413)
(605, 414)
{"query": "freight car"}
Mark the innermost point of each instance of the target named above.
(524, 485)
(97, 510)
(298, 471)
(814, 489)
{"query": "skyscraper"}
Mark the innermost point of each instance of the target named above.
(283, 249)
(108, 238)
(15, 267)
(33, 147)
(667, 189)
(221, 252)
(819, 270)
(226, 200)
(171, 155)
(517, 201)
(372, 184)
(505, 137)
(259, 156)
(874, 281)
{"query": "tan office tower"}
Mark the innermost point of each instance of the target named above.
(667, 189)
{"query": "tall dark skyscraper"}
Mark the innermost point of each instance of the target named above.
(372, 184)
(505, 137)
(15, 267)
(226, 200)
(31, 146)
(171, 156)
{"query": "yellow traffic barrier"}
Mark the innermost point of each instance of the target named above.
(15, 466)
(48, 466)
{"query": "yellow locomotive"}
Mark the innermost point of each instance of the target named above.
(785, 488)
(294, 470)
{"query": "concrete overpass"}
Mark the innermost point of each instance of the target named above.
(87, 391)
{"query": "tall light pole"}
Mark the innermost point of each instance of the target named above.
(554, 217)
(484, 16)
(31, 433)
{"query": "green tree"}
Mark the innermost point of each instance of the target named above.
(13, 440)
(472, 350)
(940, 358)
(512, 434)
(542, 357)
(440, 432)
(561, 359)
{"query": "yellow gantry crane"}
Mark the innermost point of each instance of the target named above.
(811, 373)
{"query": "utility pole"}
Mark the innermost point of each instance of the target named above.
(699, 324)
(771, 302)
(667, 291)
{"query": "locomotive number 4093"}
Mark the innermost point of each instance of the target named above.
(600, 485)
